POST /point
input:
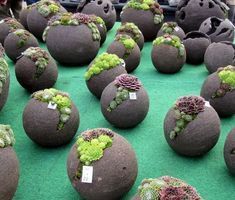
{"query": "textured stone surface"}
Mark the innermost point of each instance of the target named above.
(23, 17)
(177, 31)
(4, 94)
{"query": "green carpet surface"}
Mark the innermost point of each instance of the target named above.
(43, 173)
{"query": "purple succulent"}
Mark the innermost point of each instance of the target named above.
(191, 193)
(172, 193)
(82, 18)
(128, 82)
(191, 105)
(95, 133)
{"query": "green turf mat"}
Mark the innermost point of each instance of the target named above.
(43, 174)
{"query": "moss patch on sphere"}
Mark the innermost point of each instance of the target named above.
(4, 73)
(61, 100)
(12, 23)
(103, 62)
(169, 27)
(23, 35)
(6, 136)
(127, 42)
(171, 40)
(131, 28)
(47, 8)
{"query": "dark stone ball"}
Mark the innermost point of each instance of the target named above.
(4, 93)
(23, 17)
(218, 29)
(40, 124)
(229, 152)
(5, 30)
(218, 55)
(132, 60)
(72, 45)
(12, 49)
(199, 136)
(128, 114)
(103, 9)
(113, 175)
(166, 59)
(224, 106)
(177, 31)
(9, 173)
(191, 13)
(196, 44)
(97, 83)
(25, 70)
(103, 33)
(144, 20)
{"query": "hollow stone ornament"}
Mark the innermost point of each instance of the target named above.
(218, 55)
(50, 118)
(147, 15)
(124, 102)
(127, 49)
(102, 71)
(191, 13)
(72, 39)
(218, 29)
(9, 168)
(191, 127)
(113, 162)
(168, 54)
(219, 90)
(36, 70)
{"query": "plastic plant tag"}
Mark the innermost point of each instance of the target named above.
(177, 29)
(132, 95)
(123, 64)
(207, 104)
(52, 105)
(87, 174)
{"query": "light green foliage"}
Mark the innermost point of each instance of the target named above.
(47, 7)
(131, 28)
(127, 42)
(4, 73)
(6, 136)
(158, 18)
(23, 37)
(12, 24)
(103, 62)
(227, 76)
(140, 4)
(169, 27)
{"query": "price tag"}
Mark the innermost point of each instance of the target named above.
(207, 104)
(87, 174)
(132, 95)
(177, 29)
(52, 105)
(123, 64)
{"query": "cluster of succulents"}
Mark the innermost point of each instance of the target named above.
(4, 72)
(47, 7)
(58, 98)
(6, 136)
(125, 84)
(40, 57)
(186, 110)
(128, 43)
(97, 20)
(103, 62)
(166, 188)
(131, 28)
(23, 37)
(171, 40)
(2, 50)
(169, 27)
(91, 145)
(12, 23)
(227, 78)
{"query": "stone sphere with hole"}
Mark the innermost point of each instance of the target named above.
(113, 162)
(125, 102)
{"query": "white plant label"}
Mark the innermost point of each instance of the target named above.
(87, 174)
(207, 104)
(52, 105)
(132, 95)
(177, 29)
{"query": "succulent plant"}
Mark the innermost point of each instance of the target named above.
(103, 62)
(12, 23)
(186, 110)
(23, 37)
(127, 42)
(171, 40)
(91, 146)
(47, 8)
(168, 27)
(2, 50)
(60, 99)
(131, 28)
(40, 57)
(4, 73)
(6, 136)
(97, 20)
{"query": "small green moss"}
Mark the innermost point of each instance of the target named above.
(13, 24)
(227, 76)
(4, 73)
(6, 136)
(127, 42)
(168, 27)
(23, 35)
(130, 28)
(47, 7)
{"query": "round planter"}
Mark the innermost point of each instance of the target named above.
(218, 55)
(113, 174)
(224, 106)
(103, 33)
(6, 26)
(17, 42)
(218, 29)
(191, 13)
(103, 9)
(41, 124)
(26, 70)
(23, 17)
(229, 152)
(196, 44)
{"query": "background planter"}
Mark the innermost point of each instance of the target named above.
(196, 44)
(199, 136)
(113, 175)
(219, 54)
(40, 124)
(128, 114)
(229, 152)
(144, 20)
(218, 29)
(166, 59)
(23, 17)
(177, 31)
(25, 70)
(72, 45)
(4, 93)
(224, 106)
(132, 61)
(191, 13)
(103, 33)
(12, 49)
